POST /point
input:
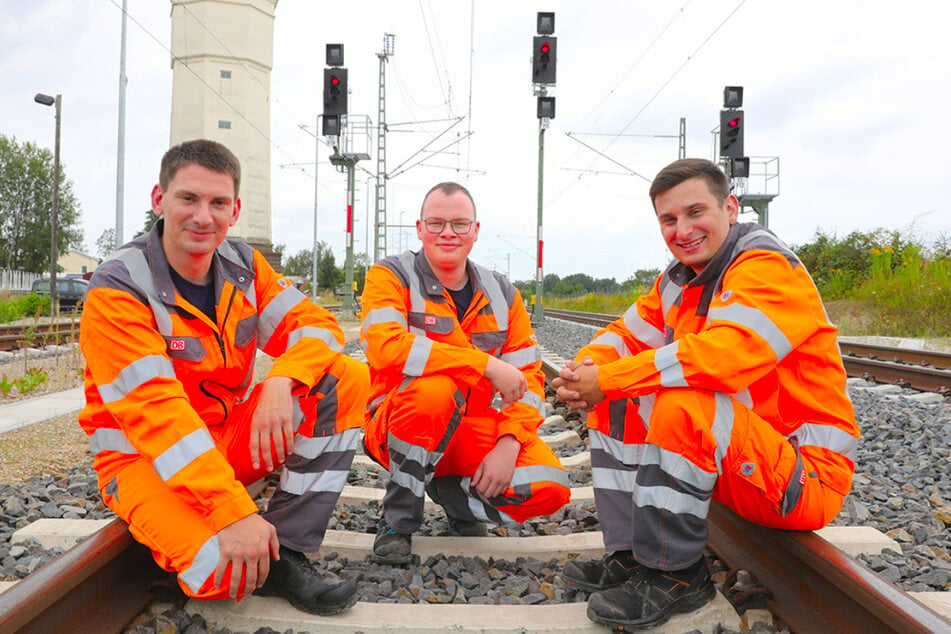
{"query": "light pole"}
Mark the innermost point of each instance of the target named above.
(57, 101)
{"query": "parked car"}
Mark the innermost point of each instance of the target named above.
(70, 290)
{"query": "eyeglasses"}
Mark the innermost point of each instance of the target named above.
(460, 226)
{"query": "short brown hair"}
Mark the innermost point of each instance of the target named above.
(209, 154)
(448, 188)
(685, 169)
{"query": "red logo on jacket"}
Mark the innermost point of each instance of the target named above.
(176, 345)
(429, 320)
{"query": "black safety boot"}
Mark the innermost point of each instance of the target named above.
(308, 589)
(467, 528)
(652, 596)
(391, 547)
(593, 575)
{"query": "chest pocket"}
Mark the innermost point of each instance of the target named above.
(245, 331)
(431, 323)
(185, 348)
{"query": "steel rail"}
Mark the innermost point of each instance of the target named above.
(14, 336)
(100, 585)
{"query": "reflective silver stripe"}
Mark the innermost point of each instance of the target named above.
(645, 408)
(275, 312)
(643, 330)
(629, 454)
(669, 295)
(744, 397)
(758, 322)
(417, 302)
(203, 565)
(135, 374)
(530, 398)
(405, 480)
(182, 453)
(678, 467)
(666, 362)
(141, 274)
(614, 479)
(382, 316)
(310, 448)
(412, 453)
(667, 499)
(418, 356)
(614, 340)
(321, 482)
(539, 473)
(477, 504)
(827, 437)
(106, 439)
(525, 356)
(490, 286)
(310, 332)
(722, 427)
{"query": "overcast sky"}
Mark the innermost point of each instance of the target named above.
(849, 99)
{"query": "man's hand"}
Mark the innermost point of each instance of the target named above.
(494, 474)
(271, 423)
(248, 546)
(506, 379)
(577, 385)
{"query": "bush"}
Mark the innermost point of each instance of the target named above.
(18, 307)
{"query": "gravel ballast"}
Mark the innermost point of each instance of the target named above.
(902, 488)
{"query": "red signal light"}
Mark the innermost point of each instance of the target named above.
(734, 122)
(334, 80)
(545, 47)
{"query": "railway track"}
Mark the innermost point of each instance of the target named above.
(17, 336)
(105, 582)
(924, 370)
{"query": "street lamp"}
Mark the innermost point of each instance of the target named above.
(57, 101)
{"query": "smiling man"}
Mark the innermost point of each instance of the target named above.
(724, 382)
(171, 326)
(457, 389)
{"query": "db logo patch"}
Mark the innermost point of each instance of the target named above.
(725, 295)
(429, 320)
(283, 283)
(802, 477)
(747, 468)
(176, 345)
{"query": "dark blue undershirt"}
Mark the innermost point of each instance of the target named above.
(462, 298)
(202, 296)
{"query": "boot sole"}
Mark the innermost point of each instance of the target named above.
(391, 559)
(684, 605)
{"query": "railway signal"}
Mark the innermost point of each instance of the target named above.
(335, 90)
(544, 49)
(731, 133)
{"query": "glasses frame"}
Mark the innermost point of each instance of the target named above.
(452, 223)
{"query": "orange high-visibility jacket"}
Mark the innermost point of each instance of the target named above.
(410, 329)
(750, 324)
(158, 371)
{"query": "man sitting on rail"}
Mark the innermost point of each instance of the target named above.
(457, 390)
(724, 382)
(170, 329)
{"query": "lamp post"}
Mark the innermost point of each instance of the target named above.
(57, 101)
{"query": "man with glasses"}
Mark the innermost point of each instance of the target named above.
(457, 389)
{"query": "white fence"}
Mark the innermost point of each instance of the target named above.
(17, 280)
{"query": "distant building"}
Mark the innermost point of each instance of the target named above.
(222, 53)
(77, 262)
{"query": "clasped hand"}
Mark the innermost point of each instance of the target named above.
(577, 385)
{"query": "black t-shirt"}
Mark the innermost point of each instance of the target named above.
(202, 296)
(462, 298)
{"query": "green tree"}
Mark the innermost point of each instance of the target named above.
(26, 207)
(106, 243)
(328, 275)
(147, 225)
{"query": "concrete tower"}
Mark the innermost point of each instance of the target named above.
(222, 53)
